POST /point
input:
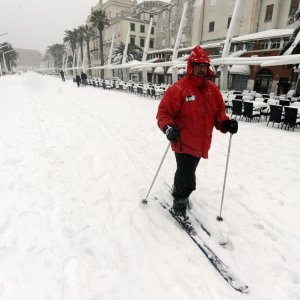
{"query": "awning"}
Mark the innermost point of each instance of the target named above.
(149, 70)
(181, 71)
(219, 69)
(159, 70)
(240, 70)
(169, 70)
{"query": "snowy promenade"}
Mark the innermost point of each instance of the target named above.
(74, 165)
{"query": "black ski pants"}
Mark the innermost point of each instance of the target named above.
(185, 178)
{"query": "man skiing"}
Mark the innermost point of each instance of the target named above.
(187, 114)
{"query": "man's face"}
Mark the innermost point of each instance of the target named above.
(200, 70)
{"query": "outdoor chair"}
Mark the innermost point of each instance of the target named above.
(250, 112)
(247, 98)
(275, 114)
(291, 118)
(153, 93)
(238, 96)
(266, 111)
(237, 108)
(284, 102)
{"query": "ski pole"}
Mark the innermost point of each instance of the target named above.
(219, 218)
(145, 201)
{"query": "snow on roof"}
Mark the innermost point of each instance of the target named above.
(264, 35)
(212, 45)
(240, 69)
(159, 70)
(238, 53)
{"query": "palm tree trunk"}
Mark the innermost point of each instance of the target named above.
(81, 50)
(101, 51)
(89, 57)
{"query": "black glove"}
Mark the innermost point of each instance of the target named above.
(230, 125)
(171, 132)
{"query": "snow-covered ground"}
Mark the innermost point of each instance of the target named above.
(74, 166)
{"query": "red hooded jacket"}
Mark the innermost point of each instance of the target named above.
(194, 105)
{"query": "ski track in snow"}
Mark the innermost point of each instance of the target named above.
(75, 164)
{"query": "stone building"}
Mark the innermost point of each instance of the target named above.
(124, 15)
(207, 23)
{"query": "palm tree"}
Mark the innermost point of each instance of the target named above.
(80, 38)
(134, 52)
(99, 20)
(11, 57)
(89, 33)
(56, 51)
(71, 38)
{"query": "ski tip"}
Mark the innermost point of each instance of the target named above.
(144, 201)
(244, 289)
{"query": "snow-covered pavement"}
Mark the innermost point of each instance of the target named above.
(74, 166)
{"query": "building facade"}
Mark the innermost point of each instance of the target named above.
(273, 19)
(262, 29)
(126, 15)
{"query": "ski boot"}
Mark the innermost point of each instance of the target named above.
(178, 211)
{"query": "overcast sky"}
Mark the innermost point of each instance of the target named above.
(37, 24)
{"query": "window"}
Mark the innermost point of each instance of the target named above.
(142, 28)
(151, 43)
(249, 46)
(163, 42)
(211, 27)
(269, 13)
(172, 25)
(275, 44)
(164, 14)
(285, 41)
(228, 22)
(172, 41)
(132, 27)
(263, 44)
(152, 30)
(132, 40)
(294, 7)
(142, 42)
(151, 16)
(239, 47)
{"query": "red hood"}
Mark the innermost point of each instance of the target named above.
(198, 55)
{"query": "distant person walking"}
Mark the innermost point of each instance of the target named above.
(62, 74)
(78, 80)
(83, 78)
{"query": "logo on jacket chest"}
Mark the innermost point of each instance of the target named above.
(190, 98)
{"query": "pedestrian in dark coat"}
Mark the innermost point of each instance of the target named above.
(62, 74)
(78, 80)
(187, 114)
(84, 78)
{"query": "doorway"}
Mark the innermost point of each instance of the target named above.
(263, 81)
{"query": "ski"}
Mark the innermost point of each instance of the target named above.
(218, 264)
(203, 227)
